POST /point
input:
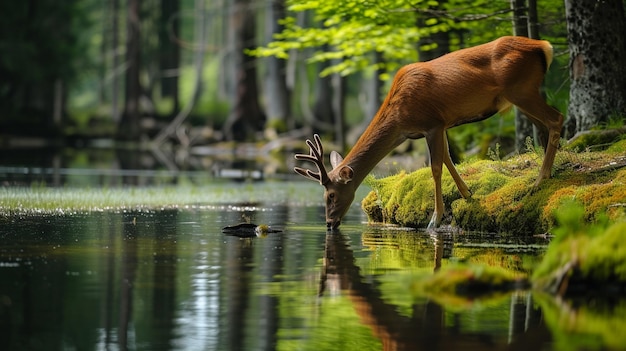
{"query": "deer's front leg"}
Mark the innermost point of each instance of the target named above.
(436, 143)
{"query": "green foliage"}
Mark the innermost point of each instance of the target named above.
(348, 32)
(494, 155)
(210, 104)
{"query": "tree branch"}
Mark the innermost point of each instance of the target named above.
(435, 13)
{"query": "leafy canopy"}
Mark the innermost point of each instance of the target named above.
(349, 32)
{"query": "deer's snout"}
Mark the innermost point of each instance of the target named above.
(333, 224)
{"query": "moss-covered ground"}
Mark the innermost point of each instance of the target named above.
(583, 256)
(503, 198)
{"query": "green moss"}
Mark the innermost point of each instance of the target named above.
(504, 198)
(618, 147)
(596, 139)
(607, 197)
(583, 254)
(408, 198)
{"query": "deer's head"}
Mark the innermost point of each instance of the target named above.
(338, 189)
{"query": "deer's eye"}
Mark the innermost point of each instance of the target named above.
(331, 196)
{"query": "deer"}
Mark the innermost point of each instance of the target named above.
(427, 98)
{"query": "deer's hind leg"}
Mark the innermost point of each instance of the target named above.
(540, 113)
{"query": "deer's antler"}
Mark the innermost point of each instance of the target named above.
(316, 155)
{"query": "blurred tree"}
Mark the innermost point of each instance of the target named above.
(115, 60)
(128, 128)
(40, 52)
(169, 58)
(200, 25)
(597, 52)
(246, 116)
(523, 126)
(276, 91)
(323, 112)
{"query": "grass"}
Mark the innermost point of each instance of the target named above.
(39, 199)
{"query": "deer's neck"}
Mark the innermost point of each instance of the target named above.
(380, 137)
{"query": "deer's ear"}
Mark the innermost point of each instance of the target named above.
(345, 174)
(335, 159)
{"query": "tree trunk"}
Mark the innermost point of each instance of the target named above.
(115, 114)
(533, 20)
(597, 47)
(277, 93)
(371, 101)
(169, 58)
(129, 125)
(246, 116)
(200, 23)
(338, 104)
(523, 126)
(440, 39)
(323, 113)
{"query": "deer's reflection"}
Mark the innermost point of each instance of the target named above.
(426, 328)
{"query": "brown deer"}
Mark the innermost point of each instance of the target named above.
(426, 98)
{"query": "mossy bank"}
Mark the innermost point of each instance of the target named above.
(503, 198)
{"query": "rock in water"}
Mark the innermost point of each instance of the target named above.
(248, 230)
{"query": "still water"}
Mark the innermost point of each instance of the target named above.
(170, 279)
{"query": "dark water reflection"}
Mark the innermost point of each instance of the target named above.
(170, 280)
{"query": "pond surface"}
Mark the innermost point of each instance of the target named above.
(161, 280)
(170, 279)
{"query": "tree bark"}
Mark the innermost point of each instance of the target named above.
(597, 47)
(246, 116)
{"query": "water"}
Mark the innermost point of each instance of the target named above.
(171, 280)
(164, 280)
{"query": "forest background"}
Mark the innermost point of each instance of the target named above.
(194, 72)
